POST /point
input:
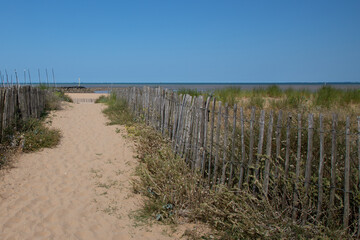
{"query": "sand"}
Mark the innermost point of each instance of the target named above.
(80, 189)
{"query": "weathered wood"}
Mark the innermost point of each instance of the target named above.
(268, 155)
(194, 143)
(175, 122)
(241, 175)
(18, 103)
(225, 147)
(308, 166)
(260, 147)
(287, 159)
(297, 170)
(321, 169)
(217, 151)
(251, 147)
(200, 131)
(189, 128)
(211, 139)
(333, 166)
(278, 142)
(347, 176)
(205, 124)
(233, 137)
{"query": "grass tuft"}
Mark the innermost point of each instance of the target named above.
(117, 110)
(37, 136)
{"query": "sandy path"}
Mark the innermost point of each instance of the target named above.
(78, 190)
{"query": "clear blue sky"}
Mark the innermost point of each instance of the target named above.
(183, 40)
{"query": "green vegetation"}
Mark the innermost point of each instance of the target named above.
(173, 191)
(273, 97)
(54, 98)
(191, 92)
(117, 110)
(31, 134)
(37, 136)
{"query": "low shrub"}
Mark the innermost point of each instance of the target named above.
(117, 110)
(37, 136)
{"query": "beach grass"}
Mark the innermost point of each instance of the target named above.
(117, 110)
(175, 194)
(326, 98)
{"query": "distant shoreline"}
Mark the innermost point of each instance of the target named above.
(210, 86)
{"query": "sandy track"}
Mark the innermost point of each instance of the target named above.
(78, 190)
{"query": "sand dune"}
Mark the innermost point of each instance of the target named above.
(78, 190)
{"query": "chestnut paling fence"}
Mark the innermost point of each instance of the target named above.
(19, 103)
(306, 165)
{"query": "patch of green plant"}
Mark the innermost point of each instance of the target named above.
(172, 190)
(37, 136)
(256, 101)
(229, 95)
(53, 100)
(63, 96)
(327, 96)
(191, 92)
(117, 110)
(102, 99)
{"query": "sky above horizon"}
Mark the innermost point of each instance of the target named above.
(182, 41)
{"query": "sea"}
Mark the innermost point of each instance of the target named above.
(212, 86)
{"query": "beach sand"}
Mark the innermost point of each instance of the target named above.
(80, 189)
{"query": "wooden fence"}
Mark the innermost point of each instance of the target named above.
(17, 103)
(307, 165)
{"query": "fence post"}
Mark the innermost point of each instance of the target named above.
(333, 166)
(241, 175)
(211, 138)
(287, 159)
(206, 119)
(308, 165)
(268, 155)
(251, 147)
(226, 121)
(233, 146)
(297, 171)
(321, 169)
(260, 147)
(347, 175)
(217, 151)
(278, 143)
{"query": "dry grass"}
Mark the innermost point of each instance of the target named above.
(174, 191)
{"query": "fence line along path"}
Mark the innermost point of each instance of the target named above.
(307, 165)
(19, 103)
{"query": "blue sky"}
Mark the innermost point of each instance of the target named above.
(183, 41)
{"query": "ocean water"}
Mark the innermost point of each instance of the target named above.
(209, 86)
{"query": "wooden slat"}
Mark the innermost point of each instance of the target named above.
(211, 139)
(217, 151)
(251, 147)
(233, 137)
(333, 166)
(347, 176)
(308, 166)
(268, 155)
(260, 146)
(321, 169)
(278, 142)
(287, 159)
(242, 164)
(225, 146)
(206, 119)
(297, 170)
